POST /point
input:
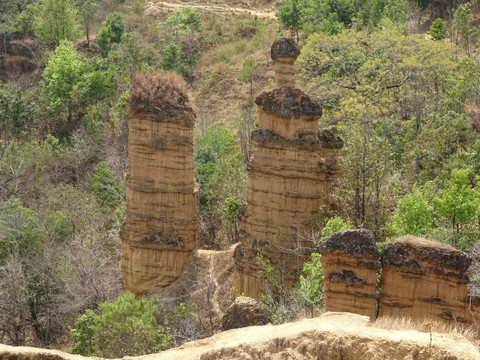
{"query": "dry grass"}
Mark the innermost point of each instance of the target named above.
(456, 330)
(160, 90)
(422, 242)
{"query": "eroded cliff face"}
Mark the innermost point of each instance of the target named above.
(424, 279)
(350, 261)
(17, 55)
(292, 174)
(161, 227)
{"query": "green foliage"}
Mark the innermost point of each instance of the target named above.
(380, 84)
(463, 85)
(19, 228)
(415, 213)
(332, 16)
(289, 16)
(131, 52)
(333, 225)
(214, 158)
(461, 17)
(127, 326)
(248, 73)
(17, 111)
(26, 19)
(185, 20)
(311, 285)
(56, 21)
(84, 333)
(111, 32)
(173, 58)
(87, 11)
(459, 201)
(329, 16)
(438, 29)
(72, 83)
(229, 211)
(108, 187)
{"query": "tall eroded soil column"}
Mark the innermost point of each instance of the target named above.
(161, 228)
(292, 174)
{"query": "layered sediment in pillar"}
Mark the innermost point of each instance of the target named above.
(161, 227)
(350, 261)
(291, 176)
(424, 279)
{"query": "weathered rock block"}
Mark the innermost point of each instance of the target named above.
(350, 261)
(424, 279)
(244, 312)
(161, 228)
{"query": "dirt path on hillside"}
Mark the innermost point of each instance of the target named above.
(267, 10)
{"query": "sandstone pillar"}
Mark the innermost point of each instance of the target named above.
(350, 261)
(161, 227)
(292, 173)
(424, 279)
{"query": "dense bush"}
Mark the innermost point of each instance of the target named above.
(127, 326)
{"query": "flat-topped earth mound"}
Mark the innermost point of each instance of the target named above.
(331, 336)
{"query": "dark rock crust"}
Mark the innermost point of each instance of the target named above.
(405, 253)
(244, 312)
(359, 243)
(286, 102)
(284, 47)
(309, 141)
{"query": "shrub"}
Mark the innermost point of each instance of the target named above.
(173, 58)
(335, 224)
(108, 187)
(127, 326)
(111, 32)
(311, 285)
(438, 29)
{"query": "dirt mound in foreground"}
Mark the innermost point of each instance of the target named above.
(332, 336)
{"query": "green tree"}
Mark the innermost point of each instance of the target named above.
(335, 224)
(459, 201)
(289, 17)
(72, 83)
(327, 16)
(248, 73)
(17, 112)
(185, 20)
(229, 210)
(108, 187)
(87, 11)
(461, 18)
(111, 32)
(311, 285)
(56, 21)
(438, 29)
(19, 228)
(415, 213)
(127, 326)
(25, 21)
(173, 58)
(130, 51)
(221, 175)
